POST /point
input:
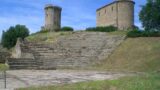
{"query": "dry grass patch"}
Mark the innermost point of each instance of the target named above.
(47, 37)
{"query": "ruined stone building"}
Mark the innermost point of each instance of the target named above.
(119, 13)
(52, 17)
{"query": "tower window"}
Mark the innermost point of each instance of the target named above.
(105, 11)
(112, 8)
(99, 13)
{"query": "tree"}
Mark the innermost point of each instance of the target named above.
(3, 34)
(21, 31)
(67, 28)
(9, 37)
(150, 15)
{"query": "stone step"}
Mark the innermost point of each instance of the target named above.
(40, 48)
(37, 47)
(43, 51)
(78, 49)
(60, 55)
(23, 67)
(22, 63)
(20, 59)
(17, 64)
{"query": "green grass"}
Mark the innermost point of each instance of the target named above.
(118, 33)
(143, 82)
(134, 54)
(47, 37)
(3, 67)
(50, 37)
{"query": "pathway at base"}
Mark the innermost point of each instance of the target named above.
(28, 78)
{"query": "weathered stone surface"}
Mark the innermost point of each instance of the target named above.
(4, 54)
(52, 17)
(119, 13)
(22, 63)
(29, 78)
(80, 49)
(22, 51)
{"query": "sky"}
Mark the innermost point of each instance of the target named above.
(78, 14)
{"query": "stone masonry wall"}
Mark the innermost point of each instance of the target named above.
(52, 17)
(118, 13)
(81, 49)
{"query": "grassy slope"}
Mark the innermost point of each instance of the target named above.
(47, 37)
(135, 54)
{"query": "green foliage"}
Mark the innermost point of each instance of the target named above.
(21, 31)
(150, 15)
(66, 28)
(102, 29)
(9, 37)
(3, 67)
(43, 31)
(46, 37)
(138, 33)
(135, 27)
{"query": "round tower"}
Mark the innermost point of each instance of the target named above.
(52, 17)
(125, 14)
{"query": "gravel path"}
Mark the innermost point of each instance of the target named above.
(28, 78)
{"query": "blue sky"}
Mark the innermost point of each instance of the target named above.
(76, 13)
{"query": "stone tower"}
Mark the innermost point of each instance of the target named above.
(119, 13)
(52, 17)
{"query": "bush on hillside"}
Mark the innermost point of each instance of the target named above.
(43, 31)
(9, 38)
(138, 33)
(66, 28)
(135, 27)
(102, 29)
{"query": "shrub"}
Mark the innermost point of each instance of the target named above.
(102, 29)
(43, 31)
(66, 28)
(138, 33)
(3, 67)
(135, 27)
(9, 38)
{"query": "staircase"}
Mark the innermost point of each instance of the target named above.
(22, 63)
(81, 49)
